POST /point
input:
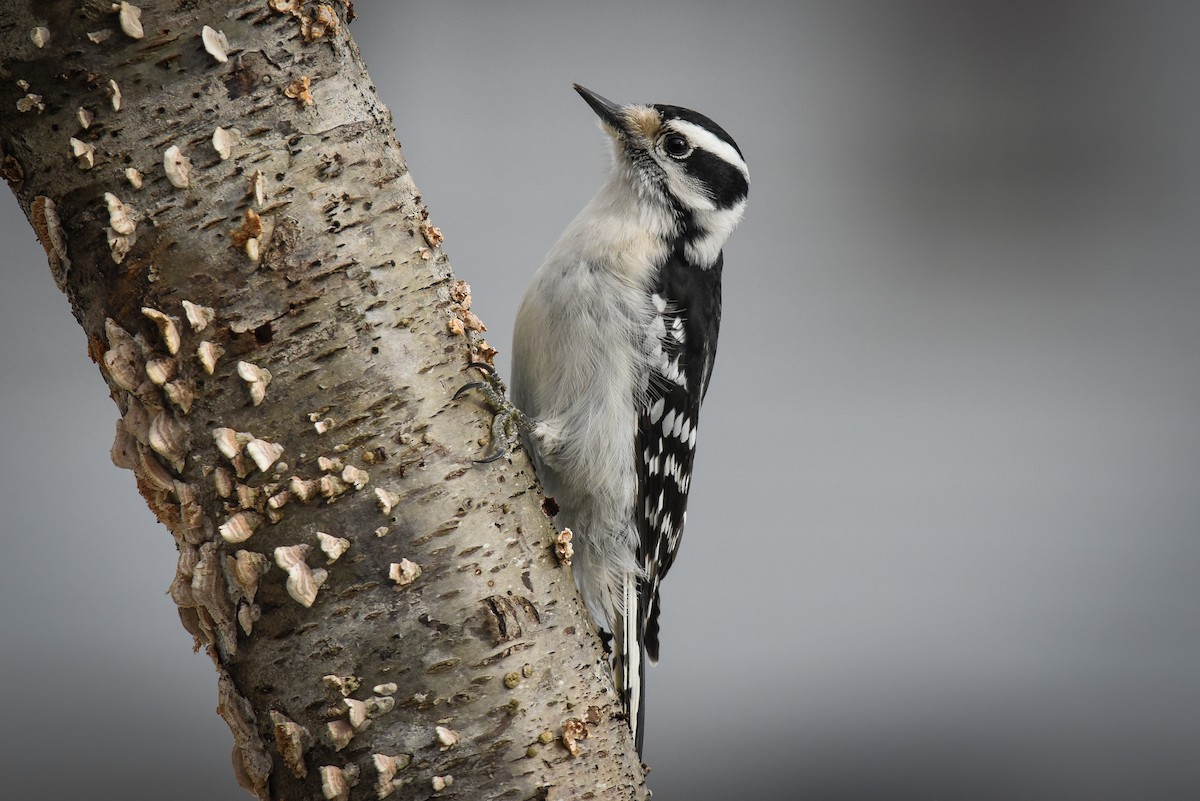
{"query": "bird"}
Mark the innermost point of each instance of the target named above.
(613, 349)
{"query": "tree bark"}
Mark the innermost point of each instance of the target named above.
(282, 336)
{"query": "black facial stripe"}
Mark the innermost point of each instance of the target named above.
(725, 182)
(695, 117)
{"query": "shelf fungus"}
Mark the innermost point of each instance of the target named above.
(40, 36)
(169, 439)
(300, 90)
(303, 489)
(222, 482)
(302, 581)
(85, 155)
(387, 767)
(215, 44)
(248, 615)
(357, 713)
(160, 371)
(134, 177)
(177, 167)
(404, 572)
(180, 394)
(121, 216)
(345, 685)
(240, 526)
(114, 94)
(257, 379)
(446, 738)
(331, 487)
(230, 442)
(263, 453)
(44, 216)
(292, 740)
(563, 548)
(130, 17)
(334, 785)
(208, 353)
(198, 317)
(440, 783)
(118, 245)
(386, 499)
(431, 234)
(31, 102)
(85, 117)
(223, 140)
(333, 546)
(355, 476)
(340, 733)
(123, 359)
(166, 328)
(379, 705)
(248, 568)
(573, 731)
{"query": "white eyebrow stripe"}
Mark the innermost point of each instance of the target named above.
(703, 138)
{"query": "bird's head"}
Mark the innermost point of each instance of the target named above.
(678, 159)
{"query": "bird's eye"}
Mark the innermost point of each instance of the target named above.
(676, 145)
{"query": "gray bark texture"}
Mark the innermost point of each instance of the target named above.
(282, 336)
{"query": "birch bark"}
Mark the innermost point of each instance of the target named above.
(221, 196)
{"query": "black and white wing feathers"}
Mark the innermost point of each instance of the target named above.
(688, 300)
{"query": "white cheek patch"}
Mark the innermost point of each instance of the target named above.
(686, 189)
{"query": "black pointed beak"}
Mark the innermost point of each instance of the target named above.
(605, 109)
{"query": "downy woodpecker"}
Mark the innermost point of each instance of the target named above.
(612, 354)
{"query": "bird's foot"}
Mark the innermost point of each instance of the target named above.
(508, 422)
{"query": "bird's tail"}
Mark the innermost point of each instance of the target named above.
(629, 657)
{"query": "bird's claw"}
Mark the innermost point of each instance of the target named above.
(508, 421)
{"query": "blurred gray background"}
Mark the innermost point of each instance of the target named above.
(946, 513)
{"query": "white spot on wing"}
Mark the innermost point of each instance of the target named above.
(656, 410)
(668, 423)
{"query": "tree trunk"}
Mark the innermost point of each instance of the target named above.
(221, 196)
